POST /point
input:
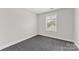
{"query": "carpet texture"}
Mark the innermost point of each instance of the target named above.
(42, 43)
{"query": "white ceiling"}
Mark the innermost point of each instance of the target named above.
(40, 10)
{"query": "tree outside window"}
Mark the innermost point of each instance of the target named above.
(51, 23)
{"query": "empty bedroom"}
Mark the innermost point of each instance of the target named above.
(39, 29)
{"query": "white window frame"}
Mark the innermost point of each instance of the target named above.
(55, 16)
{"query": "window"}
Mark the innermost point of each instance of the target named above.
(51, 23)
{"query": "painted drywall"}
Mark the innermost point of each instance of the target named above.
(76, 21)
(65, 24)
(16, 25)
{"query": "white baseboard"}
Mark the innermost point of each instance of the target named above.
(58, 38)
(15, 42)
(77, 44)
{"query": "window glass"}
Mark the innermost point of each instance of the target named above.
(51, 23)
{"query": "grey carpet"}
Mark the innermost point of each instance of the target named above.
(42, 43)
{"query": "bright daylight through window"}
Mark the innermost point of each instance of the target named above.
(51, 23)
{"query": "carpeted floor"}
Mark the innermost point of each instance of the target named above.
(42, 43)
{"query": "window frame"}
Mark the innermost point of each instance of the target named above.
(55, 17)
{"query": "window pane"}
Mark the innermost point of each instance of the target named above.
(51, 23)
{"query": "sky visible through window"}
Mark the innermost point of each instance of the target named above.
(51, 23)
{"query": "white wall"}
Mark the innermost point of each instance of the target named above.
(15, 25)
(77, 27)
(65, 24)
